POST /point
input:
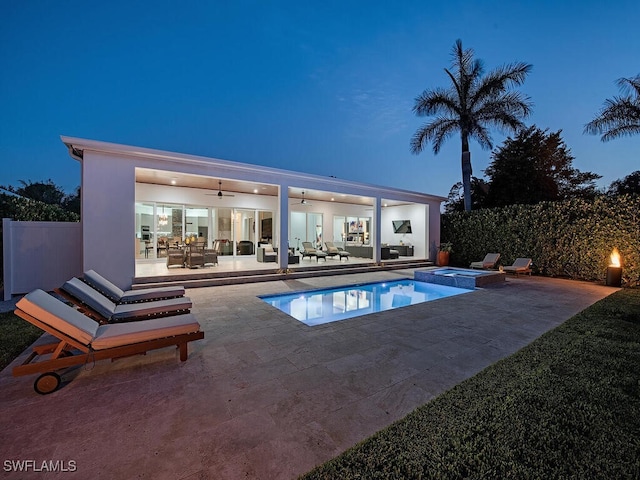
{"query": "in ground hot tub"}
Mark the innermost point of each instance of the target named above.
(460, 277)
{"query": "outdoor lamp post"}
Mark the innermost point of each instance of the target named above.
(614, 270)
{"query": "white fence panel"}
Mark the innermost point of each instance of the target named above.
(40, 255)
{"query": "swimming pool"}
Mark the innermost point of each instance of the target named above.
(316, 307)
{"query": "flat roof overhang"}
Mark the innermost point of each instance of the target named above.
(170, 168)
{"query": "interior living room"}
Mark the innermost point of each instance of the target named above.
(238, 220)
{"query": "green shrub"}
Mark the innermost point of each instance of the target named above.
(28, 210)
(573, 238)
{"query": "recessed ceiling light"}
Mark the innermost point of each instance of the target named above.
(333, 199)
(173, 181)
(255, 190)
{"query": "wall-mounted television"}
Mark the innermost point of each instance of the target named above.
(401, 226)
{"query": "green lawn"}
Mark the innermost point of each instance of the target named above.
(566, 406)
(15, 336)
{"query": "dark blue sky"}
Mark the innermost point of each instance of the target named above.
(319, 87)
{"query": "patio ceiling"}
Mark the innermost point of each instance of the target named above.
(162, 177)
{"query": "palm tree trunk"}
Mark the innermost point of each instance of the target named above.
(466, 173)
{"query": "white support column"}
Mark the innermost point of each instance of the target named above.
(283, 224)
(377, 212)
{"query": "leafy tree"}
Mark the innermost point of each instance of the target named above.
(473, 103)
(628, 185)
(46, 192)
(619, 116)
(479, 191)
(535, 166)
(71, 202)
(49, 193)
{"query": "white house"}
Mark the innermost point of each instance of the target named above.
(134, 198)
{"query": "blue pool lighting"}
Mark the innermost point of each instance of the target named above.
(317, 307)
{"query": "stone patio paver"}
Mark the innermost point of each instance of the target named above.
(264, 396)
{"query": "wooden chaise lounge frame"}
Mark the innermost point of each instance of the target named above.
(69, 351)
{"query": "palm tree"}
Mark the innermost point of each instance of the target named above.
(470, 106)
(620, 116)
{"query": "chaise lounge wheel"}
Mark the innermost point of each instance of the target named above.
(47, 383)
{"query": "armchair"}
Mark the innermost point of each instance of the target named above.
(175, 256)
(195, 256)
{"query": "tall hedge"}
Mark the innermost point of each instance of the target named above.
(572, 238)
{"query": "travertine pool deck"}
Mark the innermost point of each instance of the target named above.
(264, 396)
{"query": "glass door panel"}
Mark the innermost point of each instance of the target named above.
(197, 224)
(144, 230)
(298, 229)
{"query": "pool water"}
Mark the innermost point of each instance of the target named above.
(317, 307)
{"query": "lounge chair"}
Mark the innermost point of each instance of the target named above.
(102, 310)
(309, 251)
(520, 266)
(332, 251)
(489, 261)
(81, 340)
(194, 255)
(119, 296)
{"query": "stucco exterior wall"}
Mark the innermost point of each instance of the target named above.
(108, 216)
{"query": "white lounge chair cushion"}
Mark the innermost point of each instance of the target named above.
(152, 294)
(119, 334)
(521, 264)
(489, 261)
(109, 310)
(268, 248)
(116, 294)
(39, 304)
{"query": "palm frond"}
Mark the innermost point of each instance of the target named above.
(481, 135)
(500, 81)
(435, 132)
(630, 85)
(434, 102)
(619, 116)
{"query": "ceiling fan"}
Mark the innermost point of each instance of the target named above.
(220, 194)
(302, 202)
